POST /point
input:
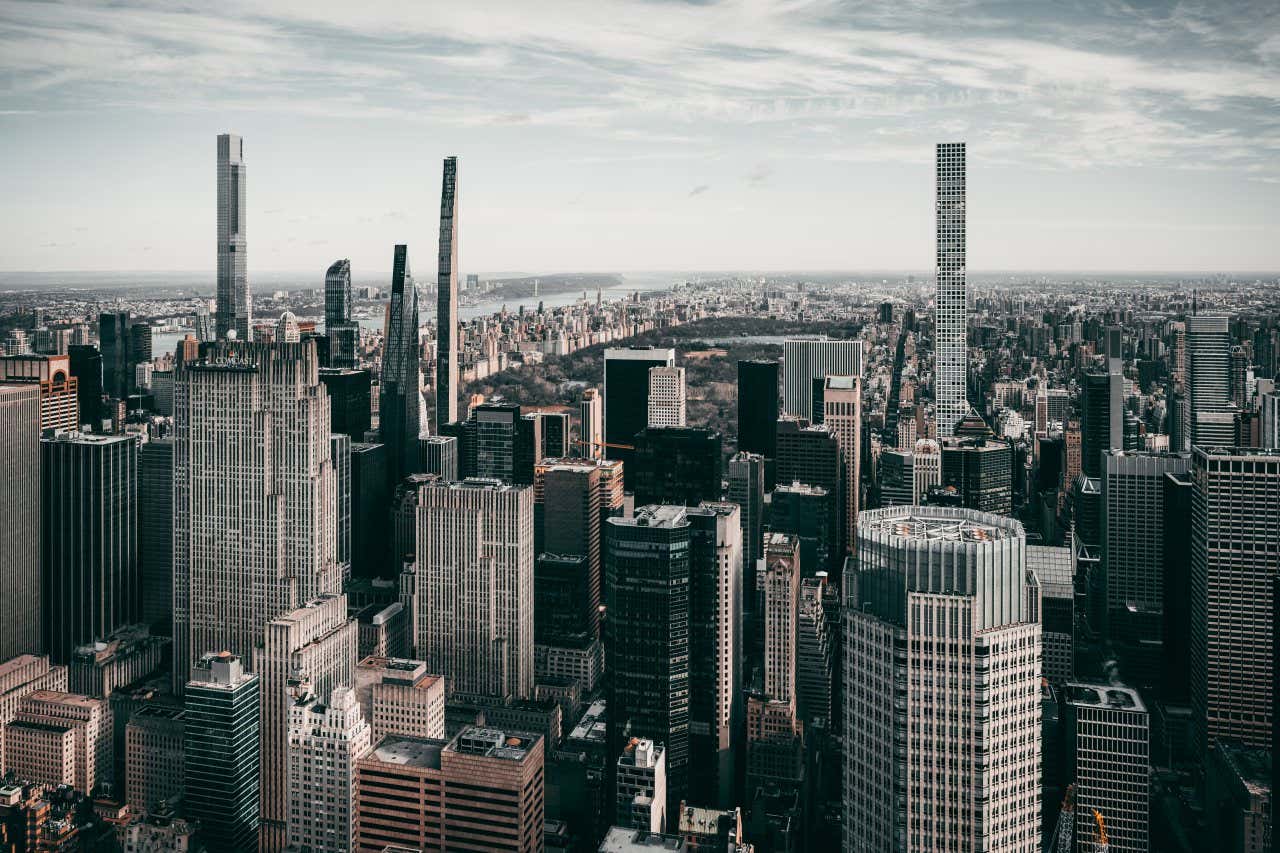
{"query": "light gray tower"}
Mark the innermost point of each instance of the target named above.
(807, 360)
(20, 508)
(936, 760)
(1209, 420)
(447, 300)
(951, 349)
(234, 309)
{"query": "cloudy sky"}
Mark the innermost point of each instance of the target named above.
(643, 134)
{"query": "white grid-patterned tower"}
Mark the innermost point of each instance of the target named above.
(950, 297)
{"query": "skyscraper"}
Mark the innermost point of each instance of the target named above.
(626, 397)
(339, 326)
(809, 359)
(940, 591)
(118, 360)
(746, 489)
(1208, 355)
(951, 355)
(667, 406)
(20, 595)
(842, 407)
(1108, 753)
(591, 424)
(326, 739)
(1235, 525)
(676, 465)
(1103, 427)
(221, 753)
(155, 493)
(255, 495)
(234, 310)
(447, 299)
(398, 410)
(89, 538)
(757, 406)
(474, 585)
(349, 399)
(86, 367)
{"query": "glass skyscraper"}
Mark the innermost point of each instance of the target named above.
(950, 298)
(447, 299)
(234, 309)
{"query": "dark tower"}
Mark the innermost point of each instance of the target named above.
(398, 410)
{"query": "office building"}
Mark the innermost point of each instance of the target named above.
(897, 478)
(371, 555)
(981, 471)
(220, 761)
(447, 351)
(941, 590)
(350, 401)
(398, 411)
(810, 359)
(234, 311)
(555, 434)
(1208, 382)
(676, 465)
(842, 408)
(626, 397)
(647, 591)
(667, 403)
(340, 326)
(815, 651)
(309, 650)
(118, 357)
(400, 697)
(591, 424)
(1238, 798)
(125, 656)
(1269, 406)
(483, 790)
(21, 676)
(340, 454)
(20, 578)
(805, 512)
(746, 489)
(255, 495)
(326, 739)
(89, 538)
(810, 455)
(506, 445)
(383, 629)
(86, 367)
(155, 748)
(715, 650)
(58, 738)
(642, 786)
(1103, 426)
(1235, 523)
(440, 456)
(1107, 734)
(758, 407)
(1053, 568)
(155, 533)
(950, 301)
(474, 584)
(59, 388)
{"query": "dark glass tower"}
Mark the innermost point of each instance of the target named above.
(86, 367)
(343, 332)
(398, 412)
(370, 513)
(677, 465)
(155, 490)
(116, 344)
(626, 398)
(349, 400)
(758, 407)
(447, 299)
(221, 753)
(1103, 427)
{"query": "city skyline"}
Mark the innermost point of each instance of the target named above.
(637, 136)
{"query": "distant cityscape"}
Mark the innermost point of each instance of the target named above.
(735, 562)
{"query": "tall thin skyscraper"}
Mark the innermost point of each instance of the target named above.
(807, 360)
(254, 495)
(155, 540)
(398, 410)
(941, 591)
(1208, 357)
(234, 308)
(591, 424)
(758, 406)
(951, 349)
(20, 596)
(339, 327)
(447, 299)
(842, 404)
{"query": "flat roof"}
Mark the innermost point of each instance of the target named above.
(1115, 696)
(938, 524)
(409, 751)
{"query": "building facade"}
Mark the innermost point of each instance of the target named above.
(447, 353)
(21, 629)
(234, 310)
(950, 300)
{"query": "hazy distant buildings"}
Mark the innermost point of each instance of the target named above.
(234, 309)
(89, 538)
(447, 352)
(20, 578)
(806, 360)
(939, 591)
(951, 356)
(398, 413)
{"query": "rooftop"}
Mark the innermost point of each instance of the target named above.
(492, 743)
(1053, 567)
(655, 515)
(622, 840)
(409, 751)
(950, 524)
(592, 725)
(1115, 696)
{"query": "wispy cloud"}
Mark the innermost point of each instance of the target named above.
(699, 190)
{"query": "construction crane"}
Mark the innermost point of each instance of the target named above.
(1101, 845)
(612, 444)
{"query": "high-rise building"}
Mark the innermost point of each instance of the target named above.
(676, 465)
(398, 413)
(483, 790)
(447, 354)
(715, 650)
(20, 578)
(155, 747)
(234, 311)
(326, 739)
(1107, 737)
(371, 555)
(86, 367)
(667, 403)
(897, 478)
(746, 488)
(1269, 406)
(842, 415)
(950, 301)
(815, 647)
(118, 358)
(758, 407)
(89, 538)
(809, 359)
(221, 762)
(255, 495)
(805, 512)
(591, 424)
(310, 650)
(506, 445)
(932, 762)
(1235, 524)
(474, 585)
(1103, 426)
(626, 397)
(981, 471)
(1239, 797)
(59, 388)
(642, 786)
(810, 455)
(350, 411)
(1053, 568)
(20, 676)
(59, 738)
(340, 326)
(555, 434)
(399, 697)
(155, 494)
(647, 591)
(1208, 384)
(123, 657)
